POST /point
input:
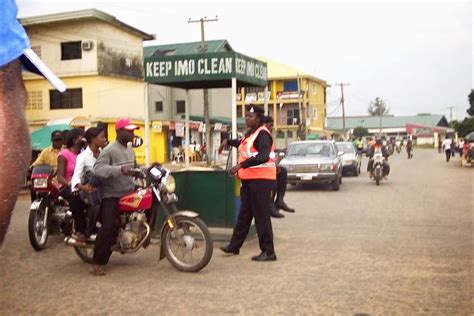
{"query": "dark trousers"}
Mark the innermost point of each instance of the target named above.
(78, 209)
(107, 234)
(282, 181)
(448, 154)
(254, 204)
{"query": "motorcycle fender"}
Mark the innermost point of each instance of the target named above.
(35, 205)
(184, 213)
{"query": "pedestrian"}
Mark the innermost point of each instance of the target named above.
(447, 147)
(114, 166)
(80, 183)
(282, 181)
(453, 147)
(15, 156)
(440, 145)
(461, 147)
(257, 170)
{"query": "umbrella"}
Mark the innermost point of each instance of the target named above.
(469, 137)
(41, 138)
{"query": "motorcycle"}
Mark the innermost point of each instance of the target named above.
(185, 239)
(49, 212)
(378, 167)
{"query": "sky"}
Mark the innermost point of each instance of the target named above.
(417, 56)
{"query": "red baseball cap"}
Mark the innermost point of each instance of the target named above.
(125, 123)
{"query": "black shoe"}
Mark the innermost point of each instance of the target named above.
(265, 257)
(274, 212)
(280, 204)
(226, 249)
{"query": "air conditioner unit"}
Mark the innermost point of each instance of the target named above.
(88, 45)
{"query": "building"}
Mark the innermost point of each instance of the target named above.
(426, 127)
(101, 61)
(288, 107)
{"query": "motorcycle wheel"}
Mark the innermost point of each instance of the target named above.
(85, 253)
(377, 176)
(197, 238)
(37, 228)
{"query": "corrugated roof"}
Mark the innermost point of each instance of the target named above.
(335, 123)
(278, 70)
(81, 15)
(187, 48)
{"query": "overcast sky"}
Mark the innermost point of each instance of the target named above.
(416, 56)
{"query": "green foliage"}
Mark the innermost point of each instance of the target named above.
(464, 127)
(378, 107)
(470, 111)
(360, 132)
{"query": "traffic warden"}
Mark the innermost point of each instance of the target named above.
(256, 169)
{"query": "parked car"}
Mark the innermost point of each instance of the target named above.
(314, 161)
(350, 163)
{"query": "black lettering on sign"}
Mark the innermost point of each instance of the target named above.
(137, 141)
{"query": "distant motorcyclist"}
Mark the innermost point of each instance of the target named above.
(359, 144)
(378, 147)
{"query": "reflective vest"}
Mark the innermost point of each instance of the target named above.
(264, 171)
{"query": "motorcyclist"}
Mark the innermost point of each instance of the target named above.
(359, 146)
(114, 165)
(376, 147)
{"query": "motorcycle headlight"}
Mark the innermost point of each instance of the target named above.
(41, 183)
(170, 184)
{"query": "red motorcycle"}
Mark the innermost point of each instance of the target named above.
(184, 238)
(49, 212)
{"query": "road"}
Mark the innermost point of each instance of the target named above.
(405, 247)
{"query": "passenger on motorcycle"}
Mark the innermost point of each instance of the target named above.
(378, 146)
(114, 166)
(81, 185)
(67, 161)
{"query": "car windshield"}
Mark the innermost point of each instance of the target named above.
(346, 148)
(303, 149)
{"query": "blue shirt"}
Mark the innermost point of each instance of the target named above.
(13, 37)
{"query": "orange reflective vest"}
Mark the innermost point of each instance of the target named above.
(264, 171)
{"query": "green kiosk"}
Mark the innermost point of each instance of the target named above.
(212, 193)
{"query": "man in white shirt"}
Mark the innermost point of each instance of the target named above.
(447, 147)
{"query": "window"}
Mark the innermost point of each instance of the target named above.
(314, 88)
(293, 117)
(290, 85)
(315, 114)
(280, 134)
(159, 106)
(289, 134)
(180, 107)
(71, 50)
(37, 50)
(70, 99)
(35, 100)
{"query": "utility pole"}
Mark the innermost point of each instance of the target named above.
(451, 113)
(203, 49)
(343, 108)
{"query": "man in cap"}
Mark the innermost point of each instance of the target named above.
(113, 166)
(257, 170)
(49, 155)
(14, 52)
(282, 181)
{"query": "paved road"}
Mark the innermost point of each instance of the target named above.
(404, 247)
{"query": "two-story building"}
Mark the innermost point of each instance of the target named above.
(295, 97)
(101, 61)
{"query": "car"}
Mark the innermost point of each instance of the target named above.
(350, 163)
(313, 161)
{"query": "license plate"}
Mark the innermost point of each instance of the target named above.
(306, 177)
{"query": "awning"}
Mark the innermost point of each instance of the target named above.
(74, 121)
(41, 138)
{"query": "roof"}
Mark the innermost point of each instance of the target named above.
(214, 46)
(82, 15)
(278, 70)
(335, 123)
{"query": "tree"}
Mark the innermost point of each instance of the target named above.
(378, 107)
(464, 127)
(360, 132)
(470, 111)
